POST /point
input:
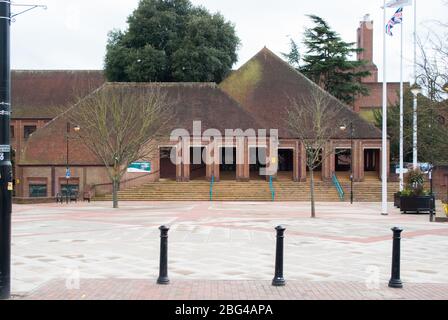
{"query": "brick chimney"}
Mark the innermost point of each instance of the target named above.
(365, 41)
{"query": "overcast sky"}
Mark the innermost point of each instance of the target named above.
(72, 34)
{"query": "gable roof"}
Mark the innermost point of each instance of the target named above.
(265, 85)
(39, 94)
(203, 102)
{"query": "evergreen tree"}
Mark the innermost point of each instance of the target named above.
(432, 132)
(171, 40)
(326, 62)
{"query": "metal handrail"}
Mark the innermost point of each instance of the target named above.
(212, 182)
(271, 187)
(338, 187)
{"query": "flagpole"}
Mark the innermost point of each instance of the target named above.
(415, 123)
(401, 113)
(384, 152)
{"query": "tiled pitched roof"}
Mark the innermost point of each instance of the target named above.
(40, 94)
(265, 85)
(191, 102)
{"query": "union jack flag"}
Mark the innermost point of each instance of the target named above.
(396, 19)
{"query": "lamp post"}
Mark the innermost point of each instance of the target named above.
(6, 185)
(67, 172)
(352, 131)
(416, 90)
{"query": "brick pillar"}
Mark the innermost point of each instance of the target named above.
(240, 157)
(186, 159)
(327, 167)
(296, 169)
(216, 161)
(303, 167)
(356, 161)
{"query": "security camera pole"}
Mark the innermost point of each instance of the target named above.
(5, 152)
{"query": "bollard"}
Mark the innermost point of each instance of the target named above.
(278, 278)
(395, 281)
(163, 269)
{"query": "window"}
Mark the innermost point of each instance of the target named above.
(38, 190)
(28, 130)
(11, 132)
(73, 188)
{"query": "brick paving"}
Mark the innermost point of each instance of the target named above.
(132, 289)
(229, 242)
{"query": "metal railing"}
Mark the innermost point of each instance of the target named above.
(212, 182)
(338, 187)
(271, 187)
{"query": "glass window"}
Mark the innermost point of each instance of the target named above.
(72, 188)
(38, 190)
(28, 130)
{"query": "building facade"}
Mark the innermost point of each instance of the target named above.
(253, 97)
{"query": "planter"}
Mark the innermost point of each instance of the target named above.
(417, 204)
(397, 197)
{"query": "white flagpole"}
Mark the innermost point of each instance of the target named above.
(415, 123)
(384, 152)
(401, 112)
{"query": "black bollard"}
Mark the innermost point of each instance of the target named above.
(395, 281)
(279, 281)
(163, 270)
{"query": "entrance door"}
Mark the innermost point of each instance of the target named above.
(198, 167)
(372, 163)
(257, 161)
(227, 163)
(285, 163)
(167, 167)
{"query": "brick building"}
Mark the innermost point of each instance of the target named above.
(374, 101)
(252, 97)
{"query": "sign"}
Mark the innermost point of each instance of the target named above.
(67, 173)
(5, 148)
(140, 167)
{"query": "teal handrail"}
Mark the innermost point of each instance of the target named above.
(271, 186)
(212, 182)
(338, 186)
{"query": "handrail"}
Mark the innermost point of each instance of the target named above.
(212, 182)
(271, 187)
(338, 187)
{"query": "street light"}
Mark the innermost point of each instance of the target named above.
(416, 90)
(6, 184)
(352, 131)
(445, 87)
(67, 172)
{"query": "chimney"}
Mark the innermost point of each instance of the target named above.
(365, 39)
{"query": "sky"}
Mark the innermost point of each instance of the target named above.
(72, 34)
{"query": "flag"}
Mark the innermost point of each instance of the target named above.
(398, 3)
(396, 19)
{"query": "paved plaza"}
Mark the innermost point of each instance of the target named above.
(60, 251)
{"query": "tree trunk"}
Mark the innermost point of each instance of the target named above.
(115, 189)
(313, 204)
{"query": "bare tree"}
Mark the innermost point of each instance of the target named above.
(312, 121)
(120, 125)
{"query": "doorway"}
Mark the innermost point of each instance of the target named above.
(227, 163)
(198, 167)
(167, 167)
(257, 162)
(285, 164)
(372, 163)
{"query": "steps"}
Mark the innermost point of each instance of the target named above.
(256, 190)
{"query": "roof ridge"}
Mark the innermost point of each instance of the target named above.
(163, 84)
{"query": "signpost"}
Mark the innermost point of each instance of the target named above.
(5, 152)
